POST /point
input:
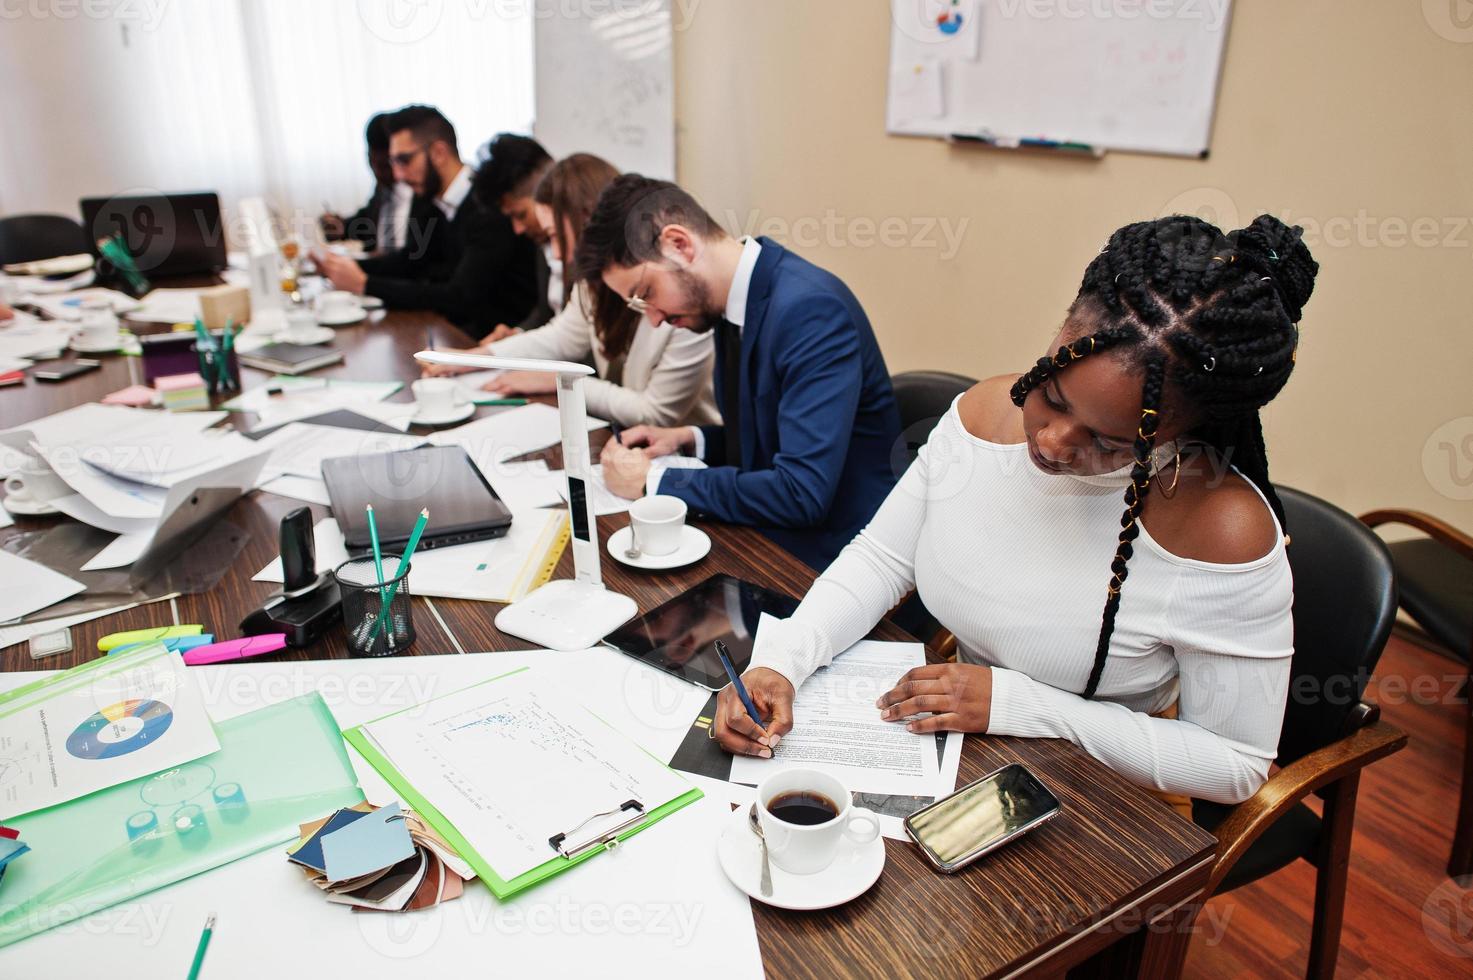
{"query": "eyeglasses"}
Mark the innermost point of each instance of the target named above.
(404, 159)
(636, 302)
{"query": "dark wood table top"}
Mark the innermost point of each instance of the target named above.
(1084, 885)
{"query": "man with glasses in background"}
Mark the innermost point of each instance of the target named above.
(472, 268)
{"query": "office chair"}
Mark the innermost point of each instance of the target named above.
(922, 397)
(1344, 608)
(1435, 578)
(29, 237)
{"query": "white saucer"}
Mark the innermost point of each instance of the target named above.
(370, 302)
(694, 545)
(854, 870)
(106, 347)
(322, 336)
(343, 321)
(27, 508)
(455, 415)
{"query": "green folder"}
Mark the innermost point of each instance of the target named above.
(277, 768)
(500, 887)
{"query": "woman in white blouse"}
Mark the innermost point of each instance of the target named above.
(1172, 664)
(647, 375)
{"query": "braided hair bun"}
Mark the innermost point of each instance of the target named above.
(1279, 251)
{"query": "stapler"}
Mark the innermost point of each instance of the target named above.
(308, 602)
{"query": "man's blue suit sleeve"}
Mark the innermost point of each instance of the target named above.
(820, 376)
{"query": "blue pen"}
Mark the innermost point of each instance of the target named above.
(736, 682)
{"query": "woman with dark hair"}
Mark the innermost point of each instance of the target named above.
(646, 375)
(1175, 669)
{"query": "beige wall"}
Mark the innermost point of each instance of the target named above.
(1349, 117)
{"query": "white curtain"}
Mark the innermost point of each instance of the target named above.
(260, 98)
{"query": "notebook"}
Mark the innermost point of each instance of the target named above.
(284, 358)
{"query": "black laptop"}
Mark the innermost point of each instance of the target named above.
(167, 234)
(440, 479)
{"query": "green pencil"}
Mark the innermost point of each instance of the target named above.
(500, 401)
(204, 944)
(378, 556)
(419, 528)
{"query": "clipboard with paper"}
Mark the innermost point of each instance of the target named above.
(522, 780)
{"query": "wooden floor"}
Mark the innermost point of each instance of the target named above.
(1403, 830)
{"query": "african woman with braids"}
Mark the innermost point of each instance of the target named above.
(1157, 638)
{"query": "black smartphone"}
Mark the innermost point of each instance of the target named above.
(64, 369)
(980, 817)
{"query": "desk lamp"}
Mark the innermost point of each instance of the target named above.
(564, 614)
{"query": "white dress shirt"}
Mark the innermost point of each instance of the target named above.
(393, 218)
(454, 195)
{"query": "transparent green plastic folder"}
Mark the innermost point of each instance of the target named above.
(278, 767)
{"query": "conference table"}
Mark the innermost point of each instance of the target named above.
(1111, 887)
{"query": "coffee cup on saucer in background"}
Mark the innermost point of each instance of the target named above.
(338, 306)
(438, 398)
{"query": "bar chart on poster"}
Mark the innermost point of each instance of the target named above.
(1054, 74)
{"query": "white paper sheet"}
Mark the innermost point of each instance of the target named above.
(106, 726)
(125, 549)
(837, 728)
(298, 449)
(167, 306)
(30, 586)
(527, 486)
(514, 761)
(298, 488)
(11, 635)
(302, 398)
(506, 434)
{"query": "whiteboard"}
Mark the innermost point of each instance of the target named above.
(605, 83)
(1135, 75)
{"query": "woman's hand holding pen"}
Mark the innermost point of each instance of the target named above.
(738, 732)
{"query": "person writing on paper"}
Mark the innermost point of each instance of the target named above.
(1170, 665)
(809, 416)
(472, 269)
(647, 375)
(510, 168)
(382, 224)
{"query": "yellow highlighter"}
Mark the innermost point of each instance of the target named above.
(152, 633)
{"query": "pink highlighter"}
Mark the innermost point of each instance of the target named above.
(227, 650)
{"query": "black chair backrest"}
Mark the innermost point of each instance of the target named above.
(923, 397)
(29, 237)
(1344, 608)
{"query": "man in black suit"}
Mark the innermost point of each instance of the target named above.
(467, 265)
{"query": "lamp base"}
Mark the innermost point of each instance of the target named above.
(567, 615)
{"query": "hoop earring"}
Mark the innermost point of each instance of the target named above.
(1175, 479)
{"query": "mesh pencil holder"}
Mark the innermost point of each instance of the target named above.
(378, 620)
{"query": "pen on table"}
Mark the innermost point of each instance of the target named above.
(204, 944)
(736, 682)
(429, 339)
(618, 433)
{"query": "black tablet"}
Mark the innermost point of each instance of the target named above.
(679, 636)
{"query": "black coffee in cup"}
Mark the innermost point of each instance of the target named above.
(802, 807)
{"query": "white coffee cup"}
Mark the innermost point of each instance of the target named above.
(337, 304)
(301, 328)
(439, 397)
(805, 849)
(16, 490)
(97, 326)
(657, 523)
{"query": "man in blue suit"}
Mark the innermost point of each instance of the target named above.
(809, 415)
